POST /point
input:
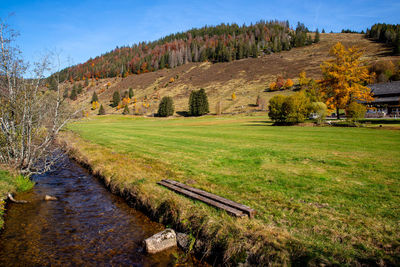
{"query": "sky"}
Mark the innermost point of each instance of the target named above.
(83, 29)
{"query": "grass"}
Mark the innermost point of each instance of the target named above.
(10, 183)
(323, 194)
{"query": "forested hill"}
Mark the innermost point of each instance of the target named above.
(222, 43)
(386, 33)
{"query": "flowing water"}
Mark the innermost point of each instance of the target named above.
(87, 226)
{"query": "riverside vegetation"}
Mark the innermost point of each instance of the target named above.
(323, 194)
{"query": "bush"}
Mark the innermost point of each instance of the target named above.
(355, 111)
(101, 110)
(198, 103)
(320, 110)
(126, 110)
(289, 109)
(166, 107)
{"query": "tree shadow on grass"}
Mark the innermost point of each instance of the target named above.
(183, 113)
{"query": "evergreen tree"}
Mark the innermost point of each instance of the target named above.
(53, 84)
(126, 110)
(73, 95)
(198, 103)
(166, 107)
(316, 38)
(101, 110)
(254, 51)
(116, 99)
(66, 93)
(130, 92)
(323, 31)
(86, 82)
(94, 97)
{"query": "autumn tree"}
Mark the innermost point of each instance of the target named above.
(233, 96)
(344, 78)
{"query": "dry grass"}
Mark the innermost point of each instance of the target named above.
(248, 78)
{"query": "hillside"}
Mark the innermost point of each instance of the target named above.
(247, 78)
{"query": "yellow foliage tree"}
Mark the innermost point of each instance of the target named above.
(344, 78)
(126, 101)
(233, 96)
(272, 86)
(95, 105)
(303, 80)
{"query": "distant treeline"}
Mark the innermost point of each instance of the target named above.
(222, 43)
(386, 33)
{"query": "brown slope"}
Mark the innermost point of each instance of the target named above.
(247, 77)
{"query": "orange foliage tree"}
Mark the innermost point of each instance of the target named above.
(289, 83)
(344, 78)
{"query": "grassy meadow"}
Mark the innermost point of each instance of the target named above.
(10, 183)
(326, 194)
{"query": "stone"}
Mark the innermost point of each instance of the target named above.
(49, 198)
(160, 241)
(183, 241)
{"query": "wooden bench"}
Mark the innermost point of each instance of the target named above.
(230, 206)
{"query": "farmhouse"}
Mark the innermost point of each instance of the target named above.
(387, 99)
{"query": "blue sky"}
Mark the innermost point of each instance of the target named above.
(81, 29)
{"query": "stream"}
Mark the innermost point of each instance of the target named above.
(86, 226)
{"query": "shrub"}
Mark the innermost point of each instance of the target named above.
(126, 110)
(289, 109)
(218, 108)
(116, 99)
(130, 92)
(272, 86)
(101, 110)
(277, 112)
(166, 107)
(355, 111)
(198, 103)
(320, 110)
(289, 83)
(233, 96)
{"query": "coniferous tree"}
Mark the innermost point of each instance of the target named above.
(94, 97)
(323, 31)
(66, 93)
(316, 38)
(166, 107)
(101, 110)
(198, 103)
(53, 84)
(86, 82)
(130, 92)
(73, 95)
(116, 99)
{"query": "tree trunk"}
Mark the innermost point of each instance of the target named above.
(337, 113)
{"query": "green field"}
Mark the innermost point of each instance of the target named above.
(333, 192)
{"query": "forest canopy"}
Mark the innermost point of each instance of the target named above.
(221, 43)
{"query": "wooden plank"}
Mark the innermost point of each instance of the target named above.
(211, 202)
(249, 211)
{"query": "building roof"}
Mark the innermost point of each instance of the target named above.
(386, 99)
(390, 88)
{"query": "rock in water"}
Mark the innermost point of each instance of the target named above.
(47, 198)
(160, 241)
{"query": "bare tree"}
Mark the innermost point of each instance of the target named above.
(30, 116)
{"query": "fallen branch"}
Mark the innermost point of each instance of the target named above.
(10, 197)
